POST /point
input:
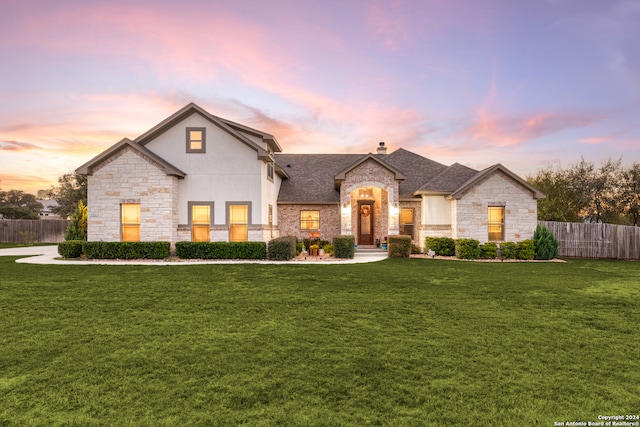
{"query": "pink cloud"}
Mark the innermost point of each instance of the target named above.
(17, 146)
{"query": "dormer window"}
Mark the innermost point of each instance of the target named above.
(196, 140)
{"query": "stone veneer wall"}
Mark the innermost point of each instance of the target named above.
(128, 177)
(370, 174)
(470, 213)
(289, 220)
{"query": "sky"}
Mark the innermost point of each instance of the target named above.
(527, 83)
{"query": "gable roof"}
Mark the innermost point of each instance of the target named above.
(342, 175)
(168, 168)
(537, 194)
(228, 126)
(447, 181)
(311, 176)
(417, 169)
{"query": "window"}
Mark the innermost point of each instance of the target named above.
(196, 140)
(270, 171)
(200, 220)
(406, 221)
(238, 223)
(496, 223)
(130, 220)
(270, 215)
(309, 220)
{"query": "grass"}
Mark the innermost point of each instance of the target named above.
(400, 342)
(4, 245)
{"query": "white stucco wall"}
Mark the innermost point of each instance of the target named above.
(228, 171)
(471, 211)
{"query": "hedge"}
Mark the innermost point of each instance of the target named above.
(399, 246)
(70, 248)
(467, 249)
(526, 249)
(509, 250)
(443, 246)
(221, 250)
(344, 246)
(282, 248)
(489, 250)
(126, 250)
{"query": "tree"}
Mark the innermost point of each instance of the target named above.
(16, 204)
(72, 189)
(595, 189)
(630, 193)
(560, 204)
(77, 229)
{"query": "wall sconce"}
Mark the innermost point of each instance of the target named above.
(345, 209)
(394, 210)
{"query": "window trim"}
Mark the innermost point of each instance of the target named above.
(412, 223)
(191, 224)
(228, 218)
(270, 171)
(124, 224)
(302, 211)
(494, 224)
(204, 140)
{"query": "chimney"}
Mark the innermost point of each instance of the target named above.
(381, 148)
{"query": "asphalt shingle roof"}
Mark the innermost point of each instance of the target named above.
(311, 176)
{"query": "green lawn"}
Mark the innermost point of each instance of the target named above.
(400, 342)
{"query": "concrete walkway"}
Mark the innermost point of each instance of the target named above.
(48, 255)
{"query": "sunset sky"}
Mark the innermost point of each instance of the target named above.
(526, 83)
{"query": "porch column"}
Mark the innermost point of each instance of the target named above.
(345, 214)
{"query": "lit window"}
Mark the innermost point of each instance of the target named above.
(238, 223)
(196, 140)
(406, 222)
(496, 223)
(309, 220)
(130, 222)
(270, 215)
(200, 222)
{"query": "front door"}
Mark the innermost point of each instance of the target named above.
(365, 223)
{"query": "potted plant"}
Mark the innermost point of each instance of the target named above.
(313, 250)
(384, 243)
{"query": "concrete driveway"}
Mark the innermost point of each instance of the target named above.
(48, 255)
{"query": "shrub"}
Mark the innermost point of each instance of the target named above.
(282, 248)
(343, 246)
(70, 249)
(509, 250)
(299, 247)
(399, 246)
(221, 250)
(126, 250)
(546, 244)
(77, 229)
(415, 249)
(467, 249)
(526, 249)
(328, 249)
(443, 246)
(489, 250)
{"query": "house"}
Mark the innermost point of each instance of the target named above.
(48, 208)
(199, 177)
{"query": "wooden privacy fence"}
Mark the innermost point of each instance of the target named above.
(587, 240)
(33, 230)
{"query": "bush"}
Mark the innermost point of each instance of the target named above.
(526, 249)
(467, 249)
(509, 250)
(328, 249)
(443, 246)
(126, 250)
(221, 250)
(399, 246)
(282, 248)
(70, 249)
(343, 246)
(489, 250)
(545, 243)
(415, 249)
(77, 229)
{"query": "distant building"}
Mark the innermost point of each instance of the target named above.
(48, 205)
